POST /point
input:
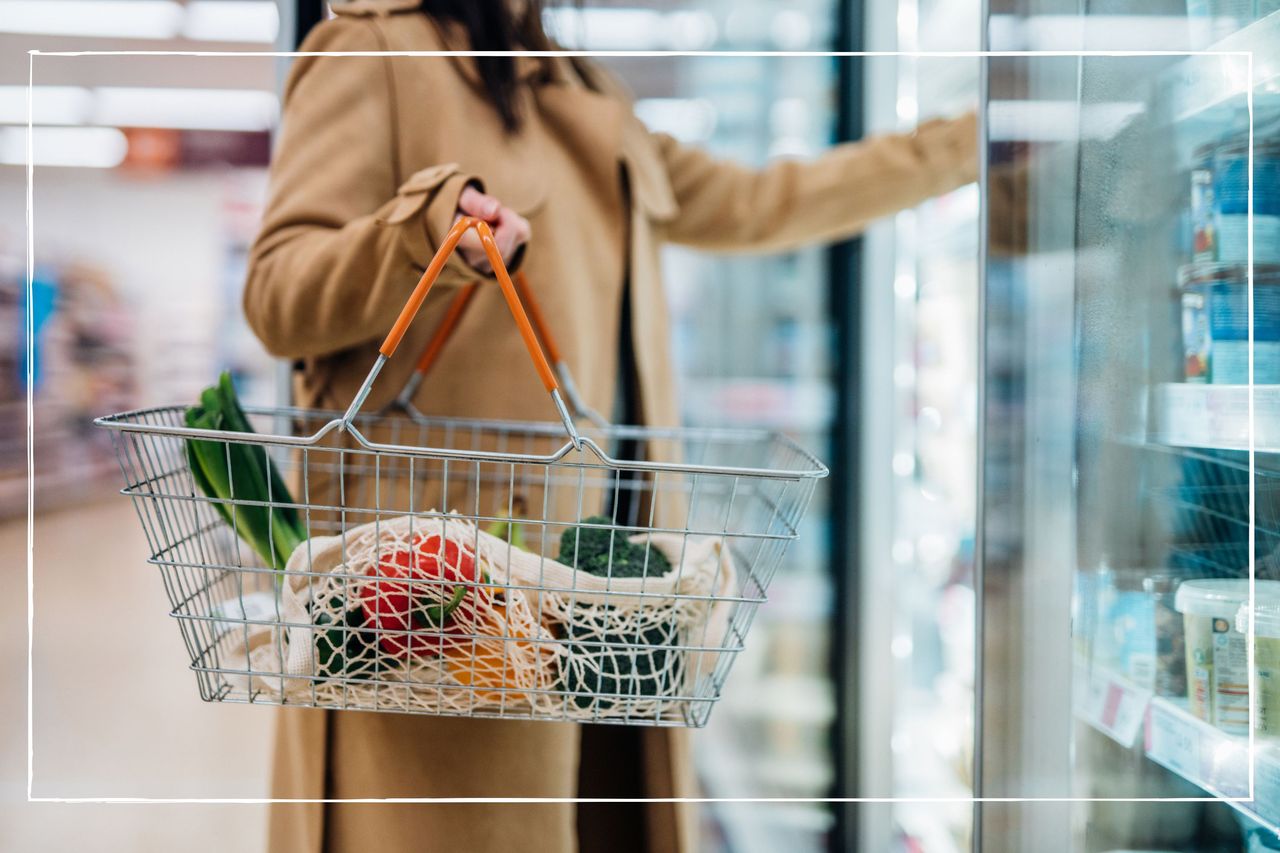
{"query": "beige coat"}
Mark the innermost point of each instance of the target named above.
(373, 154)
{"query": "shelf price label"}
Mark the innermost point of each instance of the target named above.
(1174, 741)
(1199, 752)
(1114, 707)
(1266, 785)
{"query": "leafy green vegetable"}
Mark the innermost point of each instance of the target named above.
(609, 553)
(228, 470)
(507, 526)
(344, 644)
(634, 671)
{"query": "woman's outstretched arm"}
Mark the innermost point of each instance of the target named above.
(727, 207)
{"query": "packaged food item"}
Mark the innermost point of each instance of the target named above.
(1215, 323)
(1217, 658)
(1125, 641)
(1230, 183)
(1266, 662)
(1204, 242)
(1170, 664)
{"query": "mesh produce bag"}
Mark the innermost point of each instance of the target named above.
(431, 614)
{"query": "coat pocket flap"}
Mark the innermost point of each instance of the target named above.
(425, 180)
(414, 193)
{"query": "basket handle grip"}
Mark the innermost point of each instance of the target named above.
(432, 272)
(447, 247)
(453, 316)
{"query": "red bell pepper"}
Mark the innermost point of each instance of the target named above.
(417, 591)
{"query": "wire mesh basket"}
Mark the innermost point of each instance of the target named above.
(469, 567)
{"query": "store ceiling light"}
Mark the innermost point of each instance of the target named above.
(49, 104)
(203, 109)
(146, 19)
(201, 20)
(629, 29)
(221, 20)
(86, 147)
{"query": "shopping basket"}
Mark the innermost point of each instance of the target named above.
(557, 571)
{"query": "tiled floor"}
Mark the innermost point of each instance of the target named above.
(116, 712)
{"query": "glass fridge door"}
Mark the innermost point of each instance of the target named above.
(1130, 429)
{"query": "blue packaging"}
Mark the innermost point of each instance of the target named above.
(1215, 323)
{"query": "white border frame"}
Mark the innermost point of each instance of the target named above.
(29, 321)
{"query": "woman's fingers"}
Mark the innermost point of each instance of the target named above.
(472, 202)
(510, 229)
(511, 233)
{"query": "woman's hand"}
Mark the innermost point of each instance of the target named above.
(510, 229)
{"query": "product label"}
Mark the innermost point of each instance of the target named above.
(1204, 240)
(1199, 641)
(1230, 678)
(1266, 662)
(1232, 236)
(1195, 336)
(1229, 363)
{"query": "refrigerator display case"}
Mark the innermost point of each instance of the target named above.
(1129, 441)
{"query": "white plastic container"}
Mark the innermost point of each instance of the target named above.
(1217, 655)
(1266, 662)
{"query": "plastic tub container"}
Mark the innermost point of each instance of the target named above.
(1266, 662)
(1217, 657)
(1215, 323)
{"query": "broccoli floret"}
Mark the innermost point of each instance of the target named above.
(595, 546)
(608, 677)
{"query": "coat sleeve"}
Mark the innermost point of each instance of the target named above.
(344, 238)
(727, 207)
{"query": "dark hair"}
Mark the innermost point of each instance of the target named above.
(491, 25)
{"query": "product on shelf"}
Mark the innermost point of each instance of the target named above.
(1170, 675)
(1231, 200)
(1204, 239)
(1217, 657)
(1266, 663)
(1215, 323)
(1125, 635)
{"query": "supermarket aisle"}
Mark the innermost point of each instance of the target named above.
(116, 711)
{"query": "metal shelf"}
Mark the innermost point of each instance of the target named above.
(1202, 84)
(1216, 416)
(1210, 759)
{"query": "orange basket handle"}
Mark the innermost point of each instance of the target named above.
(453, 315)
(419, 295)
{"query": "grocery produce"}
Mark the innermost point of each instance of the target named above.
(346, 642)
(417, 589)
(609, 553)
(621, 664)
(490, 664)
(247, 489)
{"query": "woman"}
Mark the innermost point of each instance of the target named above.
(378, 157)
